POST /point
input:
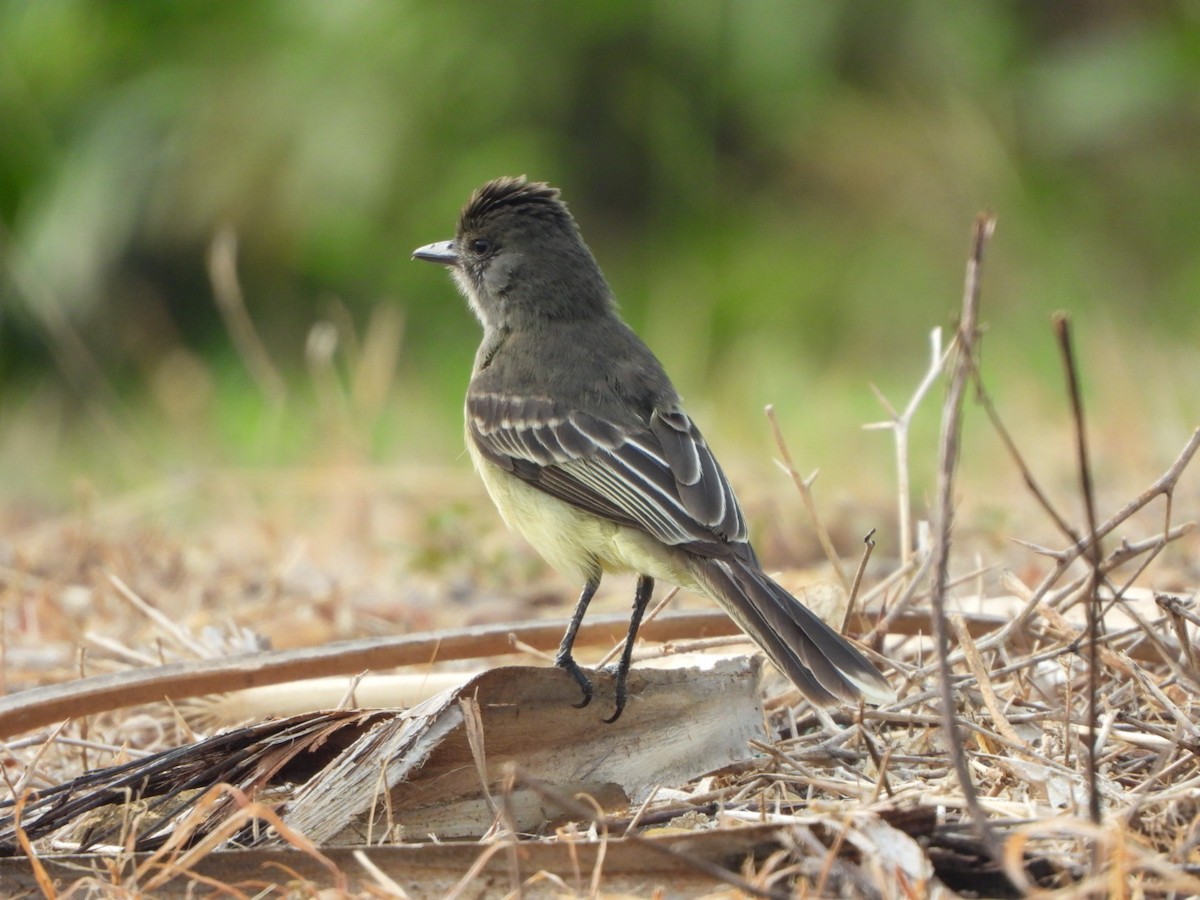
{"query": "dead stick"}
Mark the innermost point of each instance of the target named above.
(41, 706)
(804, 486)
(1062, 328)
(852, 600)
(948, 446)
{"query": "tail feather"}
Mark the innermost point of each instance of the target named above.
(820, 662)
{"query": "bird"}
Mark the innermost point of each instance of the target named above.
(585, 448)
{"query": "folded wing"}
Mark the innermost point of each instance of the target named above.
(657, 475)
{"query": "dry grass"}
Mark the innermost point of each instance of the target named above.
(863, 803)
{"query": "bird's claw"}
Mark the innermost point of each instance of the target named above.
(576, 671)
(621, 690)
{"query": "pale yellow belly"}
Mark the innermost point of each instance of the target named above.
(576, 543)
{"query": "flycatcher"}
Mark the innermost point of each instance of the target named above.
(586, 450)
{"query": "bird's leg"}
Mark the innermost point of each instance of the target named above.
(641, 599)
(563, 659)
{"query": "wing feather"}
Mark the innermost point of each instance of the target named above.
(658, 475)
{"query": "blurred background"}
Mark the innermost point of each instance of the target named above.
(207, 212)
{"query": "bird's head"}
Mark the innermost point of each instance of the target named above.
(518, 257)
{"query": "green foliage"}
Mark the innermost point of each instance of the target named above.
(776, 189)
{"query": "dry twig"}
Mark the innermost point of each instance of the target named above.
(943, 517)
(900, 425)
(804, 486)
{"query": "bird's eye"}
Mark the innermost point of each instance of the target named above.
(480, 246)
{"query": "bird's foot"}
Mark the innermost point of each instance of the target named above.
(620, 689)
(567, 661)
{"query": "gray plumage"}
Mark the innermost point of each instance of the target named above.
(586, 449)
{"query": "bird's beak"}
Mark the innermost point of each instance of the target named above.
(442, 252)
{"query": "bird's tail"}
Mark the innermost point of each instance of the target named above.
(823, 664)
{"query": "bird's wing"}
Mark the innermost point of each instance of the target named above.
(659, 476)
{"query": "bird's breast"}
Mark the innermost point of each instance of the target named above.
(576, 543)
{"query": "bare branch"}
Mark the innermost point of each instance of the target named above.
(869, 545)
(899, 426)
(804, 486)
(943, 513)
(1062, 328)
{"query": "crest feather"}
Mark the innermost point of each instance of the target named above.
(537, 197)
